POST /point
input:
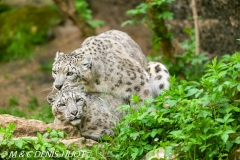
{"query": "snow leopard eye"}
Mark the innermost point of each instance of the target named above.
(69, 73)
(79, 99)
(61, 105)
(54, 71)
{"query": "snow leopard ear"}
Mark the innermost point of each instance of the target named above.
(86, 62)
(58, 54)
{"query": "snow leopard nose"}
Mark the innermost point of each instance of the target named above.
(58, 86)
(75, 112)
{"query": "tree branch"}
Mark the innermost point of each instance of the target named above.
(195, 18)
(68, 9)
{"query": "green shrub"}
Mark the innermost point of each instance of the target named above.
(192, 119)
(187, 65)
(156, 14)
(27, 148)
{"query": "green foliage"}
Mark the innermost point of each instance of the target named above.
(22, 28)
(45, 146)
(135, 99)
(28, 148)
(140, 13)
(42, 113)
(193, 120)
(34, 110)
(86, 13)
(15, 111)
(155, 13)
(187, 65)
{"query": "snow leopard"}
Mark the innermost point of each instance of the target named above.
(94, 114)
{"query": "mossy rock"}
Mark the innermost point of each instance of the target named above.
(23, 27)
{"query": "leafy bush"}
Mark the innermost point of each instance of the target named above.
(29, 148)
(192, 120)
(156, 15)
(24, 27)
(187, 65)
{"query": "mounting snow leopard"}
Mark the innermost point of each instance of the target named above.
(159, 77)
(94, 114)
(127, 43)
(103, 65)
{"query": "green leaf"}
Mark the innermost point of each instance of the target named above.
(54, 139)
(171, 103)
(48, 129)
(226, 117)
(123, 107)
(191, 92)
(135, 98)
(135, 153)
(220, 120)
(154, 132)
(237, 140)
(43, 148)
(238, 87)
(19, 143)
(37, 146)
(45, 135)
(106, 137)
(224, 137)
(39, 136)
(148, 147)
(128, 22)
(53, 133)
(61, 134)
(134, 135)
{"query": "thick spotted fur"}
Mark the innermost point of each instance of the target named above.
(94, 114)
(103, 65)
(159, 77)
(131, 47)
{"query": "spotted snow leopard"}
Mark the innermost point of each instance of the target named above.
(102, 65)
(94, 114)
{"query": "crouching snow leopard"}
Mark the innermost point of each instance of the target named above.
(102, 65)
(94, 114)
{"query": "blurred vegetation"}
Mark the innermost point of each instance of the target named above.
(86, 13)
(32, 111)
(155, 14)
(79, 13)
(46, 66)
(23, 28)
